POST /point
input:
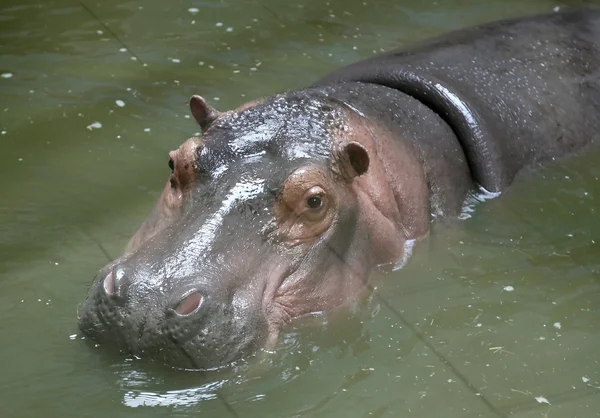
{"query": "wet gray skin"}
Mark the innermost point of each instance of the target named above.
(211, 285)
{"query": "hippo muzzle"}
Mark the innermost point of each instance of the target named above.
(184, 321)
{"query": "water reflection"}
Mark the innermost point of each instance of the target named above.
(182, 397)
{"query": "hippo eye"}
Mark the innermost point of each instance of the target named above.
(171, 165)
(314, 202)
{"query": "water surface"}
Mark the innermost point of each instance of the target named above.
(495, 315)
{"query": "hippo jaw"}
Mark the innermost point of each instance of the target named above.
(258, 224)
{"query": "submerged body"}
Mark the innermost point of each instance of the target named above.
(286, 204)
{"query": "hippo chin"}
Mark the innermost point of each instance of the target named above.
(286, 205)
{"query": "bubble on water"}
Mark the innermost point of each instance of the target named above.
(219, 24)
(557, 325)
(200, 63)
(541, 399)
(19, 159)
(146, 129)
(123, 49)
(509, 288)
(556, 9)
(175, 60)
(95, 125)
(229, 29)
(3, 132)
(99, 32)
(6, 75)
(120, 103)
(72, 336)
(585, 379)
(193, 10)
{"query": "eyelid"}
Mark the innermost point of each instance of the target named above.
(314, 191)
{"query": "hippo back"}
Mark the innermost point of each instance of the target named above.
(515, 92)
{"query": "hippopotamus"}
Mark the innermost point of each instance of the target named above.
(286, 205)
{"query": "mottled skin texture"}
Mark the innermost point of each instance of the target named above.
(285, 205)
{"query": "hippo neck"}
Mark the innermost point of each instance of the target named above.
(441, 155)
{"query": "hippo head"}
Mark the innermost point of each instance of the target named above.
(278, 211)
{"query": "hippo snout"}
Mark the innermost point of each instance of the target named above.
(183, 302)
(176, 320)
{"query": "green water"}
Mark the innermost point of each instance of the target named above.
(490, 314)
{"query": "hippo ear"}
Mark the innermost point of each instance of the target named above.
(204, 113)
(354, 160)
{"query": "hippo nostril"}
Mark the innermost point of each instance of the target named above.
(189, 304)
(109, 284)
